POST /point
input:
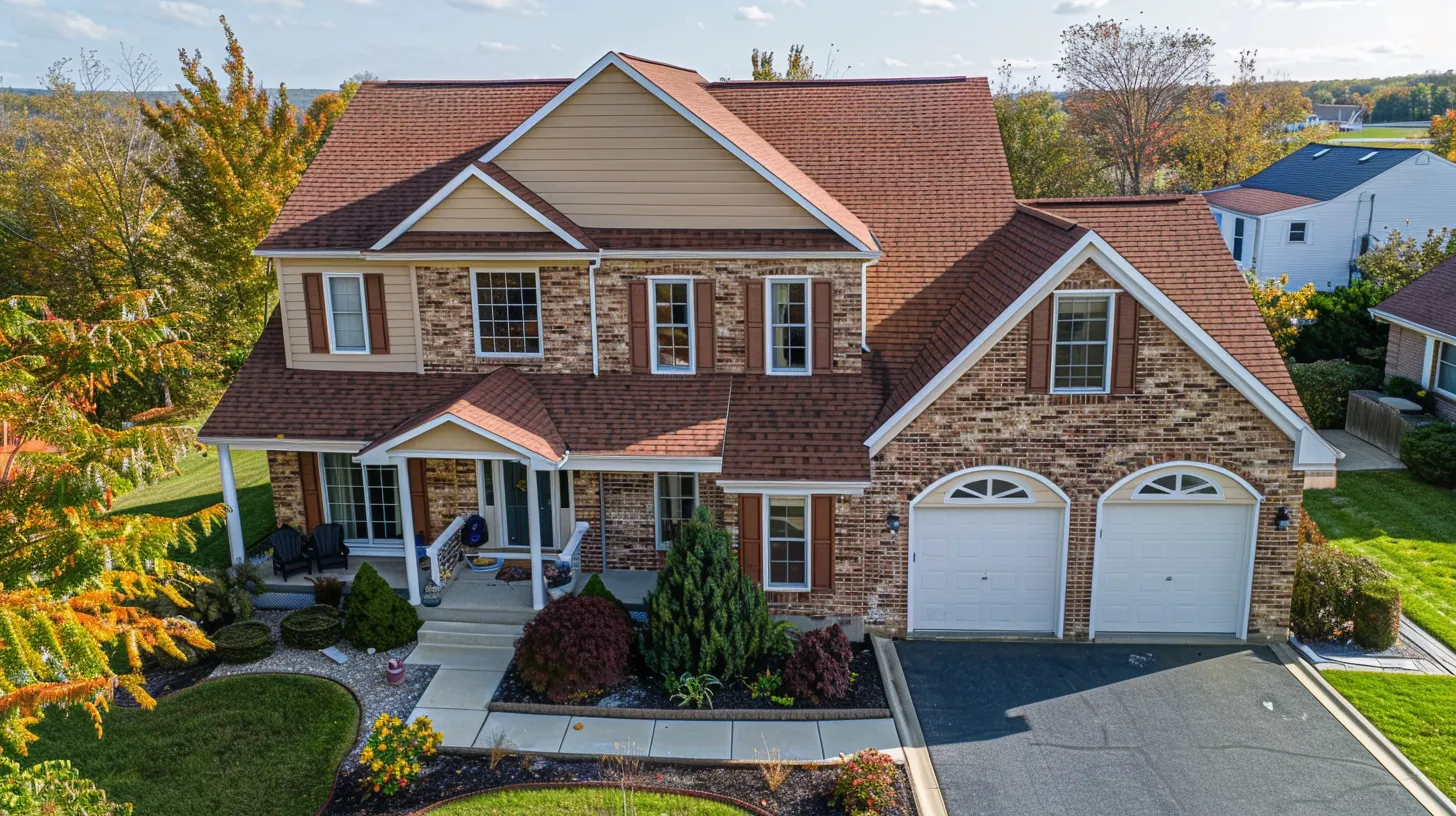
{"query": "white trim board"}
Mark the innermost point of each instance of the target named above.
(1310, 453)
(791, 488)
(1415, 327)
(611, 59)
(381, 454)
(299, 445)
(610, 463)
(463, 176)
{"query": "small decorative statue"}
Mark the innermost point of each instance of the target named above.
(394, 672)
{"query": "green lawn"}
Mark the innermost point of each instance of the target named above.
(1405, 525)
(1380, 132)
(1417, 713)
(199, 485)
(582, 802)
(261, 745)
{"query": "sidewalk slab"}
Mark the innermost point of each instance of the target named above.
(461, 688)
(525, 732)
(488, 658)
(459, 726)
(693, 739)
(608, 735)
(796, 741)
(852, 736)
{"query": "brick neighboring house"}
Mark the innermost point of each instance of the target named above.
(1422, 344)
(814, 307)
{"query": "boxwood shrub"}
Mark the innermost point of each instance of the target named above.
(313, 627)
(1328, 589)
(243, 642)
(1430, 453)
(1377, 614)
(375, 616)
(1324, 387)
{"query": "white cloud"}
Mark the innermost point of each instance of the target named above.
(187, 12)
(1022, 64)
(754, 14)
(1077, 6)
(891, 62)
(933, 6)
(497, 47)
(287, 4)
(799, 3)
(28, 3)
(1380, 50)
(74, 25)
(266, 19)
(8, 44)
(955, 61)
(520, 6)
(363, 3)
(1308, 5)
(702, 26)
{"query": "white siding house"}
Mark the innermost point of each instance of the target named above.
(1314, 231)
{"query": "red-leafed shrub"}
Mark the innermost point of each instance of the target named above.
(819, 667)
(575, 645)
(866, 784)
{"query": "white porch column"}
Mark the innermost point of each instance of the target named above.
(407, 523)
(533, 525)
(230, 498)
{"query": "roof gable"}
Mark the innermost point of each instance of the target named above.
(1428, 302)
(474, 206)
(1323, 172)
(506, 195)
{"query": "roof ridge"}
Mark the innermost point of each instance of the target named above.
(1161, 198)
(470, 82)
(1055, 220)
(809, 83)
(625, 55)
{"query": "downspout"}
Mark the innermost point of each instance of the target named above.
(602, 513)
(591, 274)
(864, 303)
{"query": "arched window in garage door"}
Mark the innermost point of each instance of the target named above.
(1178, 485)
(990, 490)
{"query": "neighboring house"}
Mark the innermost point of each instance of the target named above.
(1313, 212)
(1344, 117)
(815, 308)
(1422, 345)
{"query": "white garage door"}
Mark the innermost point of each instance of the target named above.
(991, 569)
(1173, 567)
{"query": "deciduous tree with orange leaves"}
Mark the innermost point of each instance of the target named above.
(73, 579)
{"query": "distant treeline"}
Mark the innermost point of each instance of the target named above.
(300, 97)
(1391, 99)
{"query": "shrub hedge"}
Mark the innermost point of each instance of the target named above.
(313, 627)
(1430, 453)
(1324, 387)
(1377, 614)
(574, 645)
(819, 667)
(1329, 588)
(375, 616)
(243, 642)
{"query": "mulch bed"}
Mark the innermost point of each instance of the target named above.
(159, 682)
(804, 793)
(642, 689)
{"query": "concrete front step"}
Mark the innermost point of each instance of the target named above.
(458, 633)
(475, 658)
(516, 617)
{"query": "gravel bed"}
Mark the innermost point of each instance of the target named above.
(1337, 649)
(363, 674)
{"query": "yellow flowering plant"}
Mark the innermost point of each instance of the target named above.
(394, 750)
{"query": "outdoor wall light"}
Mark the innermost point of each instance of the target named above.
(892, 522)
(1281, 518)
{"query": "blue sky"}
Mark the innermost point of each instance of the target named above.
(317, 43)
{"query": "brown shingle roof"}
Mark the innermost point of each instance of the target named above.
(726, 239)
(793, 428)
(1429, 300)
(1251, 201)
(502, 403)
(480, 242)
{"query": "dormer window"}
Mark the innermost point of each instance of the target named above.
(345, 295)
(1082, 343)
(788, 326)
(672, 326)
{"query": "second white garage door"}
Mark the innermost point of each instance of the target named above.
(989, 569)
(1173, 567)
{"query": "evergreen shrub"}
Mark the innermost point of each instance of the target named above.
(375, 616)
(1430, 453)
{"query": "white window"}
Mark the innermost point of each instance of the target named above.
(1298, 231)
(1178, 486)
(345, 294)
(989, 489)
(672, 326)
(1446, 369)
(507, 313)
(1238, 247)
(1082, 343)
(364, 499)
(788, 326)
(787, 563)
(677, 497)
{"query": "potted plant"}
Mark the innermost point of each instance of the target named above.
(431, 593)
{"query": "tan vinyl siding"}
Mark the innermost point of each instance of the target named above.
(398, 304)
(614, 155)
(475, 207)
(451, 438)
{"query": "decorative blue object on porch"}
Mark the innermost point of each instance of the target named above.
(475, 533)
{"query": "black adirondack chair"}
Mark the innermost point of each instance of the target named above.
(329, 549)
(288, 554)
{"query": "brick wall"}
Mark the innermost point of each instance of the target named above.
(447, 323)
(1405, 353)
(1182, 411)
(449, 491)
(631, 517)
(287, 489)
(728, 278)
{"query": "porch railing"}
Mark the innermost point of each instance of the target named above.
(571, 553)
(445, 552)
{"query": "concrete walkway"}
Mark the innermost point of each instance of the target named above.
(1416, 653)
(1359, 454)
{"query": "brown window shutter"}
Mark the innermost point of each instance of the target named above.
(639, 343)
(419, 499)
(703, 309)
(374, 305)
(823, 305)
(313, 503)
(313, 304)
(750, 535)
(753, 324)
(821, 531)
(1124, 346)
(1039, 357)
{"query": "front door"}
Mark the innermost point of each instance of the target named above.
(513, 486)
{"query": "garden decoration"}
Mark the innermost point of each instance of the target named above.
(394, 672)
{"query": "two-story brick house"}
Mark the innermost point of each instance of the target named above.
(814, 307)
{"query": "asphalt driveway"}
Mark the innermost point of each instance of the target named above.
(1072, 728)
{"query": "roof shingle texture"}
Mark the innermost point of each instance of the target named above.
(1252, 201)
(1429, 300)
(1336, 171)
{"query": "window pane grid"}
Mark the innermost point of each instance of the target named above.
(1080, 359)
(676, 500)
(363, 500)
(346, 303)
(788, 543)
(673, 319)
(508, 311)
(789, 326)
(1446, 370)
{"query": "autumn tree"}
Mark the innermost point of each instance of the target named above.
(1401, 259)
(799, 66)
(1283, 310)
(1047, 160)
(72, 577)
(1126, 87)
(1224, 139)
(1443, 134)
(236, 156)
